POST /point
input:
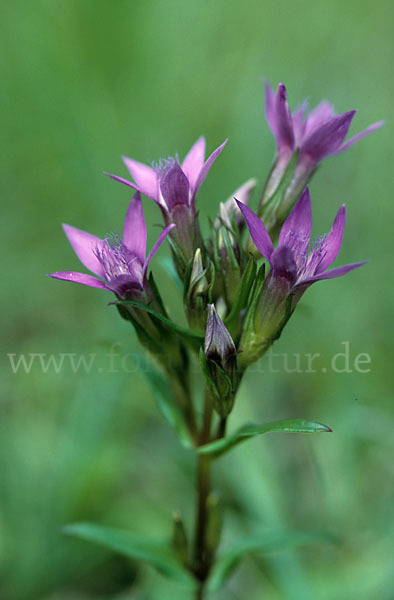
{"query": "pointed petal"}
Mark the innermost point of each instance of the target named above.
(84, 245)
(207, 165)
(338, 272)
(257, 230)
(194, 161)
(134, 229)
(297, 228)
(327, 138)
(174, 186)
(332, 244)
(299, 123)
(360, 135)
(157, 245)
(82, 278)
(320, 114)
(123, 180)
(284, 125)
(218, 343)
(144, 176)
(270, 107)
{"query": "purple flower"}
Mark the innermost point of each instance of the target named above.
(295, 259)
(295, 264)
(119, 264)
(318, 134)
(173, 186)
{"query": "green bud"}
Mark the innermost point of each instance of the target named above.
(198, 291)
(219, 363)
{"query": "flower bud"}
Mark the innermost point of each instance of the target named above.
(198, 292)
(219, 363)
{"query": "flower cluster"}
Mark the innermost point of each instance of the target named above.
(239, 291)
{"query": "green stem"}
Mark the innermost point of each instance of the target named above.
(201, 559)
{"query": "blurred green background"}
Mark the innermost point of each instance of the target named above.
(83, 82)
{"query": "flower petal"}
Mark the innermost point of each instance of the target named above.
(327, 138)
(144, 176)
(194, 161)
(82, 278)
(157, 245)
(322, 113)
(207, 165)
(297, 228)
(283, 264)
(284, 125)
(270, 107)
(123, 180)
(84, 245)
(332, 244)
(299, 123)
(360, 135)
(174, 186)
(338, 272)
(134, 229)
(257, 230)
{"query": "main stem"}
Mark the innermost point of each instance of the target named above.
(202, 558)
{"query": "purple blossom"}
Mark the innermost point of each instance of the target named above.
(174, 183)
(296, 259)
(295, 264)
(173, 186)
(318, 134)
(119, 264)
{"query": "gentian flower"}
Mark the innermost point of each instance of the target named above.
(295, 264)
(173, 187)
(317, 135)
(119, 264)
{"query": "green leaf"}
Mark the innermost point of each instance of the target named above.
(246, 432)
(158, 554)
(165, 401)
(193, 338)
(264, 542)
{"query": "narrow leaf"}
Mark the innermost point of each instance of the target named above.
(158, 554)
(192, 337)
(246, 432)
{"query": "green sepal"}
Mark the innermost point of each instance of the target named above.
(264, 542)
(223, 399)
(257, 286)
(244, 288)
(271, 207)
(157, 294)
(158, 554)
(219, 447)
(191, 337)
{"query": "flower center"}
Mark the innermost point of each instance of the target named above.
(116, 259)
(309, 263)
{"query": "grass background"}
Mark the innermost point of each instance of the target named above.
(82, 83)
